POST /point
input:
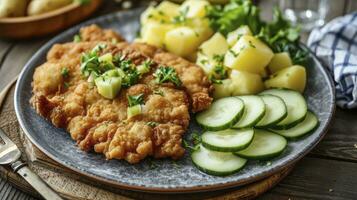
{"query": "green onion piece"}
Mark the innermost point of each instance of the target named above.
(134, 110)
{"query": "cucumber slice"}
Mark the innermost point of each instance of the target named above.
(275, 111)
(305, 127)
(295, 104)
(217, 163)
(228, 140)
(254, 109)
(222, 114)
(265, 145)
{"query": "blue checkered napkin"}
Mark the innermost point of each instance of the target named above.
(336, 46)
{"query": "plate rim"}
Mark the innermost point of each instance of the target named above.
(121, 185)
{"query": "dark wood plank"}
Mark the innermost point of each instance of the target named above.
(16, 59)
(341, 140)
(315, 178)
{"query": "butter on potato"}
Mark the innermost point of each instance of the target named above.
(249, 54)
(293, 77)
(279, 62)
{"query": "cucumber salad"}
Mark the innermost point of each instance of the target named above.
(250, 127)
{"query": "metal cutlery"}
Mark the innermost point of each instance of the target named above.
(10, 155)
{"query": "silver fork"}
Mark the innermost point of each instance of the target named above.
(10, 155)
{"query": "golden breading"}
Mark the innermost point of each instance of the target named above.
(101, 124)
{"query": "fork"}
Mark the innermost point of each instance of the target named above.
(10, 155)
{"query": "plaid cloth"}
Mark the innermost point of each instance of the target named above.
(335, 45)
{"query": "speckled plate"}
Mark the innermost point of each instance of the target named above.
(166, 176)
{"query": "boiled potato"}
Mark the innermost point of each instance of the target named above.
(239, 83)
(169, 9)
(233, 36)
(248, 54)
(216, 45)
(163, 13)
(13, 8)
(293, 77)
(194, 8)
(182, 41)
(224, 89)
(202, 28)
(37, 7)
(245, 83)
(279, 62)
(154, 33)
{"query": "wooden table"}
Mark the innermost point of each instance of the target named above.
(328, 172)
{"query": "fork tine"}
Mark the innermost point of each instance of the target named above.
(4, 137)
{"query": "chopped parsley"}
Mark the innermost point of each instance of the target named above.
(167, 74)
(218, 58)
(152, 124)
(159, 92)
(251, 44)
(77, 38)
(196, 138)
(136, 100)
(188, 146)
(132, 75)
(90, 64)
(233, 53)
(65, 72)
(182, 17)
(219, 71)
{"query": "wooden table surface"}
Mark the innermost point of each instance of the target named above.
(328, 172)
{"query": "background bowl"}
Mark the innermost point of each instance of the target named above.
(47, 23)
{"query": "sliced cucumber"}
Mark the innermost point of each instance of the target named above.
(295, 104)
(222, 114)
(217, 163)
(254, 109)
(229, 140)
(275, 111)
(303, 128)
(265, 145)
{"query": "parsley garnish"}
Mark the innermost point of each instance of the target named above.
(132, 75)
(196, 138)
(167, 74)
(152, 124)
(90, 62)
(182, 17)
(233, 53)
(135, 100)
(159, 92)
(77, 38)
(65, 72)
(218, 58)
(251, 44)
(187, 146)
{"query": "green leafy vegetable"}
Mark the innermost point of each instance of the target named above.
(167, 74)
(136, 100)
(279, 34)
(65, 72)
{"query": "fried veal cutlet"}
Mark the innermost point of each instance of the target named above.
(70, 101)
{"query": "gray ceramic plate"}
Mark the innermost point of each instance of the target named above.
(167, 176)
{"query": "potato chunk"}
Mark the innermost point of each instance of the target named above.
(279, 62)
(248, 54)
(293, 77)
(234, 36)
(194, 8)
(163, 13)
(216, 45)
(182, 41)
(154, 33)
(240, 83)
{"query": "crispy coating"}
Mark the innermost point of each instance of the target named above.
(101, 124)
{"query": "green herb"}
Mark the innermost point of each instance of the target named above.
(66, 85)
(182, 17)
(218, 58)
(167, 74)
(161, 13)
(233, 53)
(204, 61)
(90, 62)
(152, 124)
(187, 146)
(251, 44)
(279, 35)
(196, 138)
(159, 92)
(131, 74)
(65, 72)
(136, 100)
(77, 38)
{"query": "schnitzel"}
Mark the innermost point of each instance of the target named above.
(64, 94)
